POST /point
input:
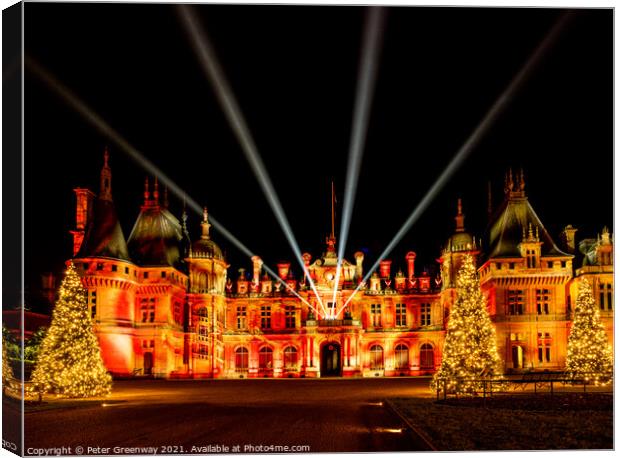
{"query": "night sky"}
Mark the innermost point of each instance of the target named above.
(294, 71)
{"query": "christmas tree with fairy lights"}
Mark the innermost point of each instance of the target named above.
(589, 356)
(69, 361)
(470, 348)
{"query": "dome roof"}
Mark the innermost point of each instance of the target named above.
(204, 247)
(155, 238)
(461, 241)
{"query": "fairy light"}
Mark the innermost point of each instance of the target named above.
(470, 348)
(69, 362)
(589, 356)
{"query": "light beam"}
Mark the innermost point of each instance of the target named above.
(367, 77)
(104, 128)
(493, 113)
(225, 96)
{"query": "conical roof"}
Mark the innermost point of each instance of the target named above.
(507, 228)
(104, 236)
(155, 238)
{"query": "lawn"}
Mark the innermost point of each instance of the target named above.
(522, 422)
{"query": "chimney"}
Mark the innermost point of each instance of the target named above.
(283, 269)
(384, 268)
(410, 257)
(568, 238)
(83, 213)
(359, 271)
(257, 264)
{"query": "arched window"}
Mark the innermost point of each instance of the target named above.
(427, 356)
(241, 359)
(203, 314)
(402, 356)
(290, 358)
(265, 358)
(376, 357)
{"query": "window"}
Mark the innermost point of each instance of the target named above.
(203, 314)
(550, 264)
(265, 317)
(178, 318)
(163, 274)
(242, 318)
(290, 358)
(147, 309)
(511, 265)
(427, 356)
(331, 308)
(290, 316)
(569, 306)
(376, 357)
(531, 258)
(544, 347)
(605, 296)
(85, 266)
(401, 354)
(498, 266)
(203, 351)
(401, 315)
(375, 315)
(93, 304)
(145, 275)
(265, 358)
(99, 266)
(126, 270)
(542, 301)
(241, 359)
(515, 302)
(203, 332)
(425, 315)
(114, 267)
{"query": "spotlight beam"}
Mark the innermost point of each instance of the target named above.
(367, 77)
(496, 109)
(225, 96)
(104, 128)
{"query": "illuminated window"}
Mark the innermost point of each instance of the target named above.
(401, 315)
(376, 357)
(203, 313)
(605, 296)
(290, 317)
(515, 302)
(543, 298)
(93, 304)
(147, 309)
(544, 347)
(265, 358)
(425, 314)
(203, 332)
(427, 356)
(375, 315)
(203, 351)
(241, 359)
(401, 353)
(265, 317)
(242, 318)
(290, 358)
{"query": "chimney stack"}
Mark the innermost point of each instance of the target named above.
(359, 271)
(384, 268)
(283, 269)
(257, 264)
(410, 257)
(568, 238)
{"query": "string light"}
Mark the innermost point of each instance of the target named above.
(69, 362)
(470, 348)
(589, 355)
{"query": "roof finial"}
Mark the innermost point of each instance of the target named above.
(530, 234)
(511, 183)
(156, 192)
(205, 223)
(521, 180)
(537, 238)
(459, 218)
(146, 190)
(105, 184)
(166, 196)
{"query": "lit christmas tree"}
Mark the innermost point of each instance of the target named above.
(69, 361)
(589, 355)
(7, 370)
(470, 348)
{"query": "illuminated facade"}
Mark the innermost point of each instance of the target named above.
(164, 305)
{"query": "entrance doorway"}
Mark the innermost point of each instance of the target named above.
(148, 363)
(330, 360)
(517, 357)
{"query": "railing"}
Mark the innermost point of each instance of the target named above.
(538, 382)
(531, 317)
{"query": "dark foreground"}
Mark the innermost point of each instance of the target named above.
(327, 415)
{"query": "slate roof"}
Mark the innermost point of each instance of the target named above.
(104, 236)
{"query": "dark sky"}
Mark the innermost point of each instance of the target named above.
(294, 72)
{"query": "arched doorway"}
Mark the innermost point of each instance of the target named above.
(330, 360)
(148, 363)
